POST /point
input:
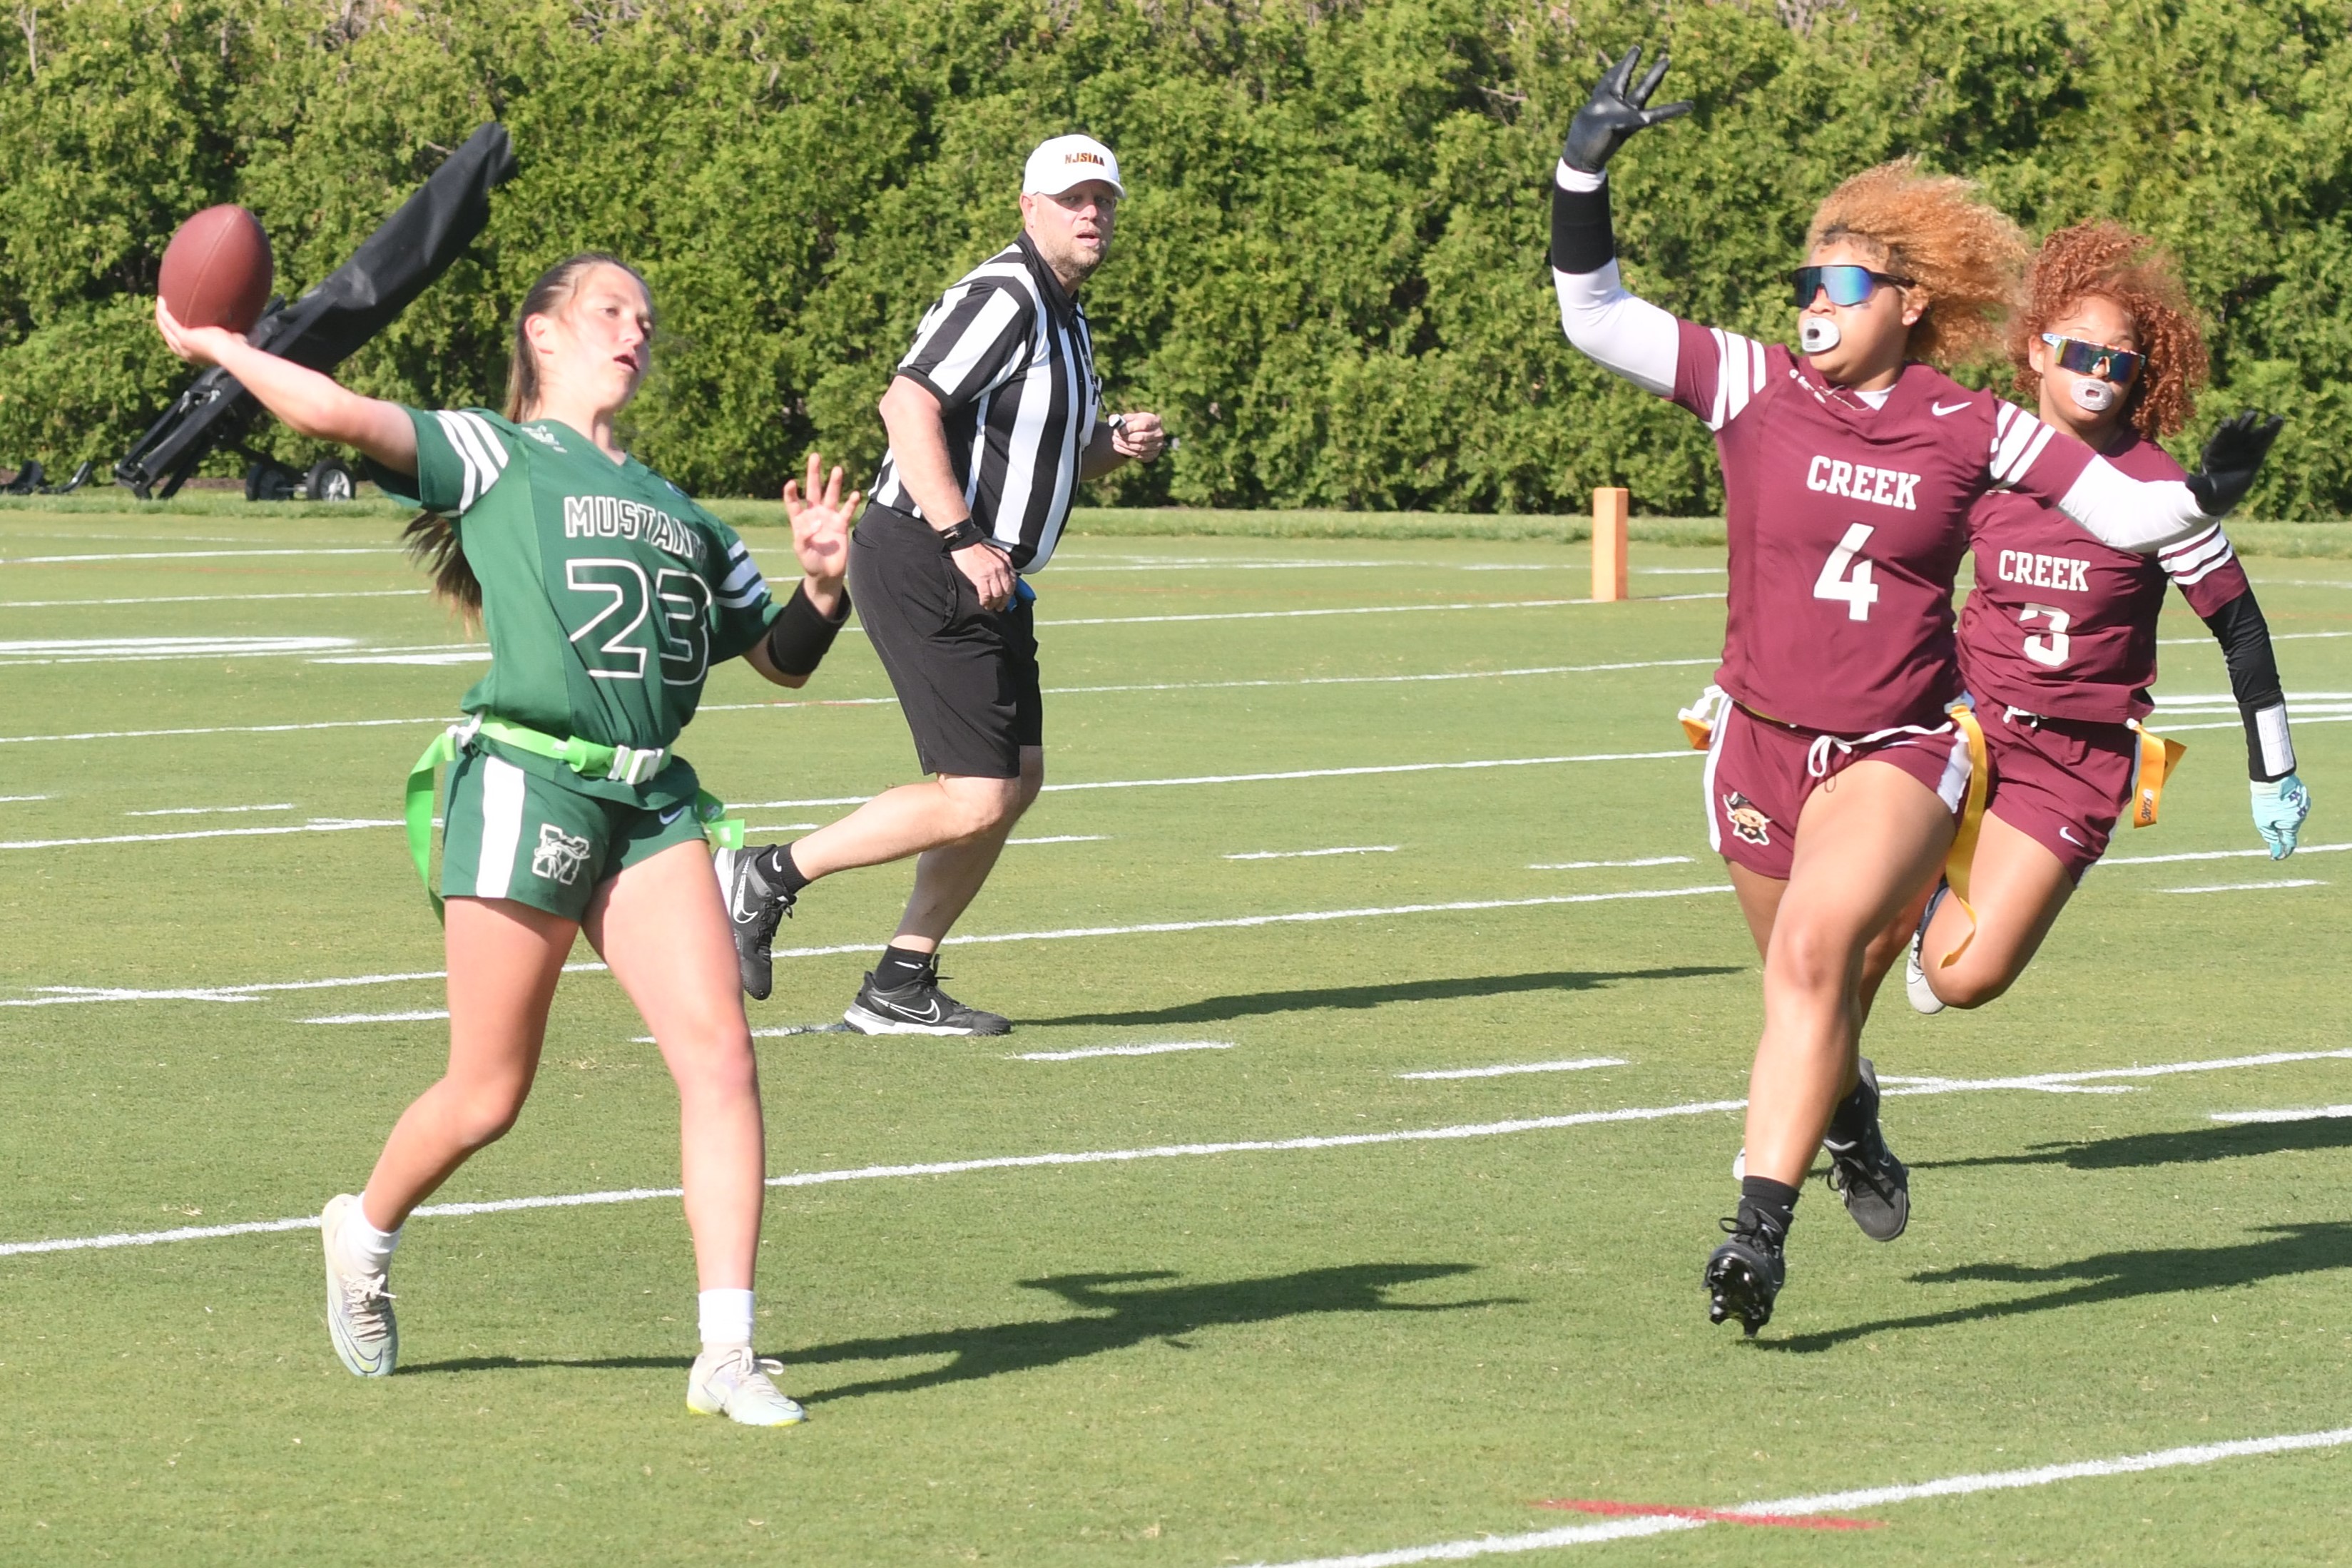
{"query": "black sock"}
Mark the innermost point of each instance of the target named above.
(1854, 1116)
(901, 966)
(1772, 1204)
(776, 864)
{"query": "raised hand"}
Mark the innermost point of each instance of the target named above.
(1615, 111)
(821, 522)
(2233, 460)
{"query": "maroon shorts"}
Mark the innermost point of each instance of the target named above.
(2060, 781)
(1759, 776)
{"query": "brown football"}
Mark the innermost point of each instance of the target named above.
(216, 271)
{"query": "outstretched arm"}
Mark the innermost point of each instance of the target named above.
(307, 403)
(2281, 800)
(2140, 515)
(1610, 326)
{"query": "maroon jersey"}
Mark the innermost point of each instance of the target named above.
(2062, 625)
(1847, 523)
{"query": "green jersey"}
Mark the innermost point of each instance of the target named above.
(607, 594)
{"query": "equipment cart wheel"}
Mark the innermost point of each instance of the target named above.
(267, 480)
(330, 479)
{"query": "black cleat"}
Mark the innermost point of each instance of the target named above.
(754, 907)
(918, 1007)
(1875, 1185)
(1744, 1274)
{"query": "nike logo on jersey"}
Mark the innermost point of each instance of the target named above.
(2044, 570)
(672, 814)
(1940, 409)
(1860, 481)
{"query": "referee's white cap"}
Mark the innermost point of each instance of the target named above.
(1061, 161)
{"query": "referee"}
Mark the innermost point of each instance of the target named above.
(995, 420)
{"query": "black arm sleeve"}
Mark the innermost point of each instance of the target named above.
(1583, 238)
(799, 636)
(2245, 639)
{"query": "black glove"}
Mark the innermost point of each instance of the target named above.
(2233, 458)
(1614, 113)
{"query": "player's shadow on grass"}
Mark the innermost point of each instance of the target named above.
(2115, 1277)
(2229, 1142)
(1118, 1312)
(1113, 1319)
(1252, 1003)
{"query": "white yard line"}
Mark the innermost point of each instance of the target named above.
(208, 810)
(1509, 1069)
(212, 598)
(2276, 636)
(14, 799)
(422, 1016)
(149, 650)
(2248, 887)
(1063, 838)
(1680, 755)
(1597, 865)
(2217, 855)
(320, 824)
(782, 826)
(1155, 1050)
(1843, 1502)
(2315, 1113)
(1120, 1156)
(2238, 724)
(225, 730)
(1315, 854)
(63, 995)
(1300, 615)
(191, 556)
(2065, 1080)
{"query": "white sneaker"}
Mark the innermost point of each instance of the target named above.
(1914, 974)
(1739, 1164)
(734, 1383)
(359, 1307)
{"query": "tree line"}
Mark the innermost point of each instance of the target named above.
(1329, 276)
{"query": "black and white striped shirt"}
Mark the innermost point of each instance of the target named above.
(1006, 353)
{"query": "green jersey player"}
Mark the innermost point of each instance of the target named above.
(606, 596)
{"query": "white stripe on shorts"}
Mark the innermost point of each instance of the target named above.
(502, 799)
(1706, 779)
(1953, 788)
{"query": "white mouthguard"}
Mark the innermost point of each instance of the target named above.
(1817, 334)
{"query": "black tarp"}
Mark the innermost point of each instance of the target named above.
(324, 327)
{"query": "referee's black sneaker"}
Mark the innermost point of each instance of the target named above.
(918, 1007)
(1875, 1185)
(755, 905)
(1744, 1274)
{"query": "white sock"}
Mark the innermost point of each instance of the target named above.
(726, 1318)
(366, 1247)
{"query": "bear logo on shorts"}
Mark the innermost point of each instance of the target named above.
(559, 856)
(1747, 821)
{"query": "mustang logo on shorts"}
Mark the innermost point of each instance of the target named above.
(559, 856)
(1747, 821)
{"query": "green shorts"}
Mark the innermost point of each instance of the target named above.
(508, 834)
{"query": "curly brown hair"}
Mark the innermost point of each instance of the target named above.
(1962, 256)
(2110, 261)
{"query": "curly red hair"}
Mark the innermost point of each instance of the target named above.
(2110, 261)
(1962, 255)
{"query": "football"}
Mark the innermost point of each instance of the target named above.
(218, 270)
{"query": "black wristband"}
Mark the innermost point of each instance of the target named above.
(968, 532)
(800, 635)
(1583, 239)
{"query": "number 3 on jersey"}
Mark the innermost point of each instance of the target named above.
(2050, 651)
(1846, 574)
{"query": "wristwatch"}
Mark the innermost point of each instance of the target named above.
(968, 532)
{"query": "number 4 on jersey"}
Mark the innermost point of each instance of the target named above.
(1854, 587)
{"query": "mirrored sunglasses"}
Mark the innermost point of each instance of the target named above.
(1845, 283)
(2118, 365)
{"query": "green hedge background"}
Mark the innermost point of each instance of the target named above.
(1330, 277)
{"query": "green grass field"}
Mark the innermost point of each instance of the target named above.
(1209, 1355)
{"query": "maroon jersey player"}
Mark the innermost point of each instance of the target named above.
(2058, 640)
(1833, 775)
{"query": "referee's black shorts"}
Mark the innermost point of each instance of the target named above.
(966, 678)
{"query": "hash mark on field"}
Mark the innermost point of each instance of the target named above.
(1063, 838)
(2248, 887)
(1595, 865)
(1507, 1069)
(1123, 1051)
(209, 810)
(2320, 1113)
(1711, 1515)
(12, 799)
(1312, 854)
(417, 1017)
(1839, 1502)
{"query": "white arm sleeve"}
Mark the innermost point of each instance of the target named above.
(2139, 515)
(1608, 326)
(1613, 329)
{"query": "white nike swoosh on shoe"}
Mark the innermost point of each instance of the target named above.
(1940, 409)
